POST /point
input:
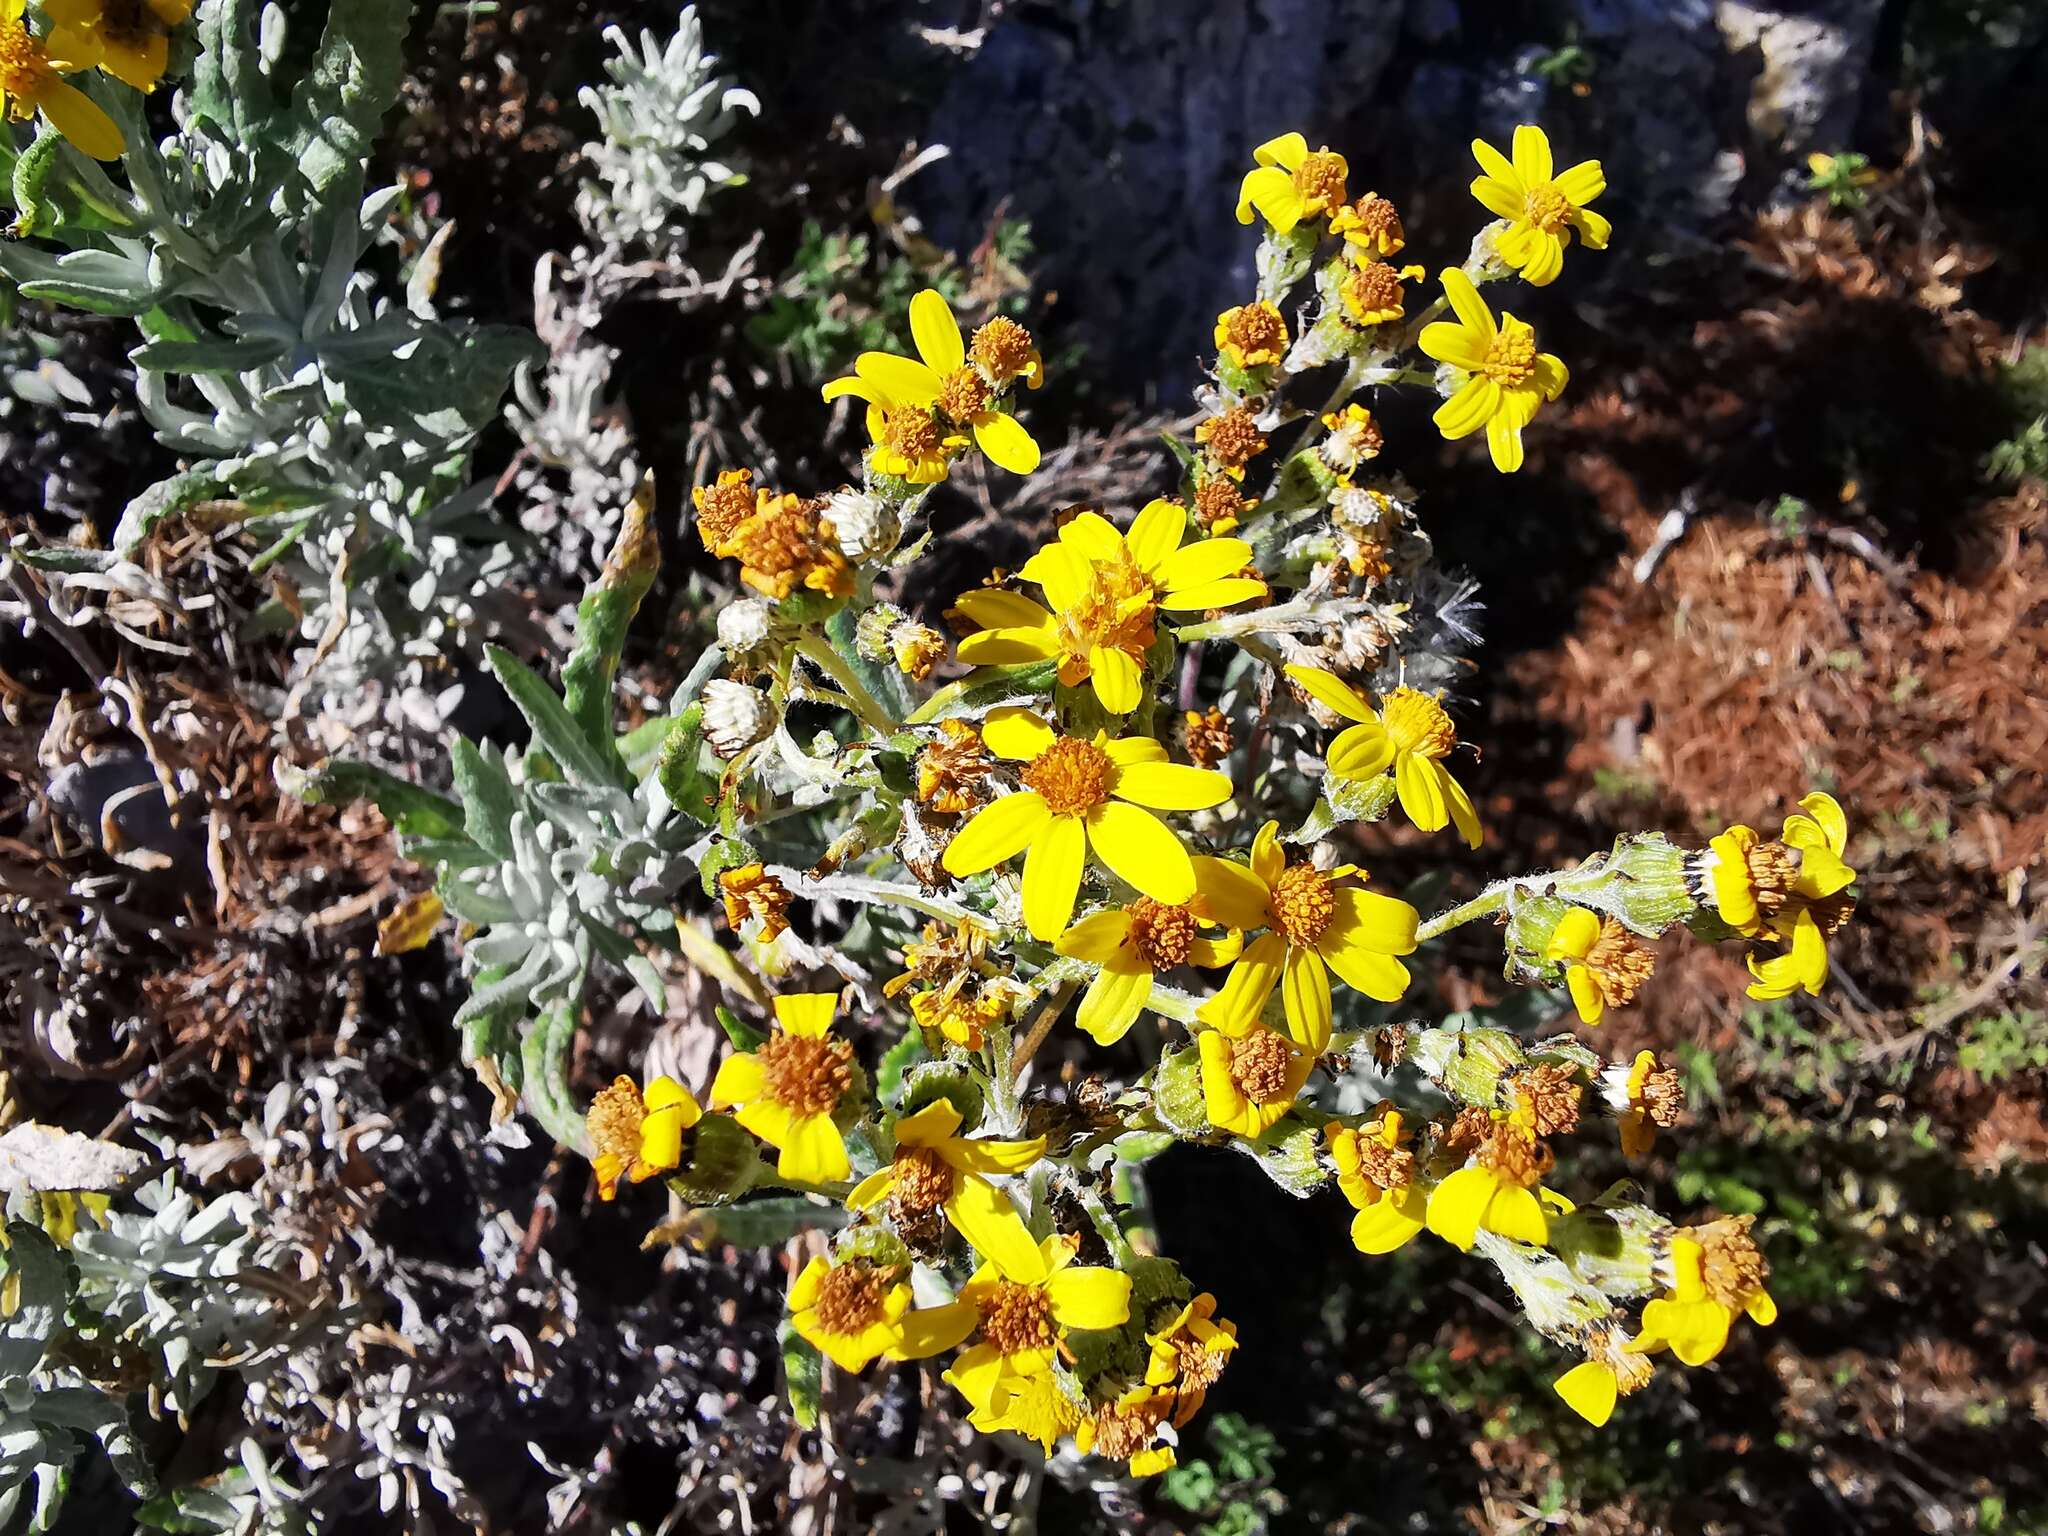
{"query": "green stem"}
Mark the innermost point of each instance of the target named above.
(871, 713)
(1485, 904)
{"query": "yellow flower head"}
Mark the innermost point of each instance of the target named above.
(1189, 1353)
(1040, 1408)
(131, 37)
(1128, 1430)
(1372, 224)
(1131, 943)
(1499, 1192)
(1375, 292)
(637, 1137)
(723, 506)
(1717, 1272)
(1291, 183)
(786, 543)
(1233, 439)
(788, 1089)
(1542, 210)
(1250, 1077)
(1080, 794)
(1507, 379)
(1252, 335)
(1106, 589)
(1354, 437)
(32, 71)
(1020, 1315)
(855, 1312)
(1612, 1369)
(952, 768)
(1605, 965)
(1319, 923)
(918, 407)
(938, 1169)
(750, 891)
(1376, 1173)
(1817, 905)
(1643, 1096)
(1003, 351)
(1412, 735)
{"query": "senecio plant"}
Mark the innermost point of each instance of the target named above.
(1124, 813)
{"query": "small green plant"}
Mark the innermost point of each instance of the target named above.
(1231, 1491)
(1789, 518)
(1997, 1046)
(1842, 177)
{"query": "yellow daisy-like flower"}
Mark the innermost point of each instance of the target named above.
(1319, 925)
(1291, 183)
(1542, 210)
(1019, 1317)
(1376, 1173)
(854, 1312)
(936, 1168)
(1252, 335)
(1612, 1370)
(1412, 735)
(637, 1137)
(1373, 224)
(31, 81)
(917, 407)
(1375, 292)
(1189, 1354)
(1106, 589)
(1039, 1408)
(1507, 378)
(1717, 1273)
(1643, 1096)
(1250, 1077)
(132, 37)
(1131, 943)
(1604, 964)
(1498, 1193)
(1080, 794)
(1815, 904)
(787, 1090)
(1128, 1430)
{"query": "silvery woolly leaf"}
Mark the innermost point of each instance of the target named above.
(45, 1159)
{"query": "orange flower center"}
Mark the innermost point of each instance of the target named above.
(1418, 723)
(924, 1181)
(1319, 180)
(1374, 289)
(1772, 869)
(912, 434)
(1513, 1156)
(1161, 934)
(1511, 356)
(1375, 216)
(1547, 208)
(1256, 332)
(807, 1075)
(785, 542)
(964, 395)
(1258, 1065)
(853, 1296)
(1003, 348)
(1303, 904)
(24, 71)
(1016, 1318)
(1233, 438)
(1122, 1432)
(1199, 1365)
(1073, 776)
(1217, 499)
(1208, 737)
(1731, 1266)
(1116, 612)
(614, 1121)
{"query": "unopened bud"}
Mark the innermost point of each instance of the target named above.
(735, 716)
(869, 528)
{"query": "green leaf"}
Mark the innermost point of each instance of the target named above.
(803, 1375)
(167, 498)
(414, 811)
(488, 798)
(555, 731)
(897, 1060)
(604, 616)
(236, 354)
(743, 1037)
(103, 282)
(690, 788)
(353, 80)
(32, 171)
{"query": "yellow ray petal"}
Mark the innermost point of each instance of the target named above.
(936, 332)
(1005, 441)
(998, 833)
(814, 1153)
(1052, 876)
(1333, 693)
(1590, 1389)
(1088, 1297)
(1305, 994)
(1140, 849)
(1172, 786)
(1016, 734)
(806, 1013)
(1113, 1001)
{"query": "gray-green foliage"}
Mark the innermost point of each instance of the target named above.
(660, 118)
(332, 418)
(559, 853)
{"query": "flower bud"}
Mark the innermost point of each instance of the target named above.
(871, 631)
(735, 716)
(1612, 1248)
(1177, 1093)
(743, 627)
(1469, 1063)
(721, 1163)
(869, 528)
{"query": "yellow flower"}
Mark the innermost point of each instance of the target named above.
(937, 1169)
(912, 402)
(1130, 943)
(1612, 1370)
(1106, 589)
(1372, 224)
(786, 543)
(1040, 1408)
(1250, 1077)
(854, 1312)
(1318, 925)
(1020, 1317)
(1354, 437)
(31, 71)
(1817, 905)
(1643, 1096)
(1377, 1175)
(724, 506)
(1498, 1193)
(636, 1138)
(1128, 1431)
(1605, 964)
(750, 891)
(1078, 795)
(1507, 378)
(1717, 1273)
(788, 1089)
(1412, 735)
(1252, 335)
(1374, 293)
(1541, 210)
(1003, 350)
(131, 37)
(1291, 183)
(1189, 1354)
